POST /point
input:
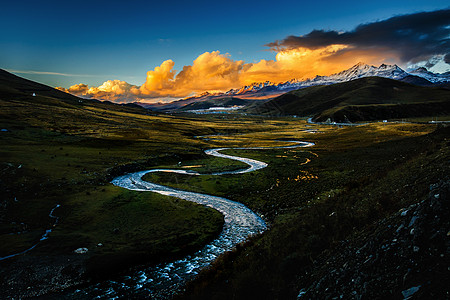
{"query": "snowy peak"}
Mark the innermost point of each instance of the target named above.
(420, 70)
(254, 87)
(363, 70)
(430, 76)
(357, 71)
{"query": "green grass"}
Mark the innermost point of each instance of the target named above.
(363, 174)
(66, 151)
(62, 151)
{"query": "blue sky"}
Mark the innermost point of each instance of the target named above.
(94, 41)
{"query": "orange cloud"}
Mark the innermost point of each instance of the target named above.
(293, 63)
(303, 63)
(113, 90)
(213, 71)
(159, 80)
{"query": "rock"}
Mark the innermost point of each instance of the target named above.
(407, 294)
(81, 250)
(413, 220)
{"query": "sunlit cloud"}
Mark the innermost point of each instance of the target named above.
(407, 39)
(113, 90)
(415, 39)
(210, 71)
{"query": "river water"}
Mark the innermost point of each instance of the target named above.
(165, 280)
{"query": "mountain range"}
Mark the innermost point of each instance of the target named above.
(361, 99)
(268, 90)
(348, 96)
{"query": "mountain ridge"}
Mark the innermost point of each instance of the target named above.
(359, 70)
(267, 90)
(362, 99)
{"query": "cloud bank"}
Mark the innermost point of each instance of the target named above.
(406, 40)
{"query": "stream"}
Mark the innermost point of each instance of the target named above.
(166, 279)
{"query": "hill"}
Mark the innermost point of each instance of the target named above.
(18, 87)
(15, 88)
(369, 98)
(58, 154)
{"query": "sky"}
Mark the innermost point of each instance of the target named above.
(153, 51)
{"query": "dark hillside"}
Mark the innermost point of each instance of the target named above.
(370, 98)
(18, 87)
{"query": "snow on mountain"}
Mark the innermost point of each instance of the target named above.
(254, 87)
(357, 71)
(430, 76)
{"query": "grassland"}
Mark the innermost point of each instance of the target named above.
(356, 176)
(66, 150)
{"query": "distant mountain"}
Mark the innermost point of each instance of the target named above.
(367, 98)
(430, 76)
(267, 90)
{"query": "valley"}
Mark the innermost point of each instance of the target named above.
(60, 153)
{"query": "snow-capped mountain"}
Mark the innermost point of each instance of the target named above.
(357, 71)
(254, 87)
(430, 76)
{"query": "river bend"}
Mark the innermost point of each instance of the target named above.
(166, 279)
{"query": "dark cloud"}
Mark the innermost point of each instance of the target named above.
(414, 37)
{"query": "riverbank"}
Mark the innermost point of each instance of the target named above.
(361, 176)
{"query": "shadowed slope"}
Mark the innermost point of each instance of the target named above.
(370, 98)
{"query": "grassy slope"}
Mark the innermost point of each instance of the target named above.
(59, 149)
(67, 155)
(356, 176)
(360, 99)
(64, 150)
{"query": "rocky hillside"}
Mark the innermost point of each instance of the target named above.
(405, 256)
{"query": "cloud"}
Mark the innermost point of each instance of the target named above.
(78, 88)
(294, 63)
(408, 38)
(414, 39)
(113, 90)
(210, 71)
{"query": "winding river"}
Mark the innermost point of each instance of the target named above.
(164, 280)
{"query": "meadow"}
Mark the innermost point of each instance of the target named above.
(312, 198)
